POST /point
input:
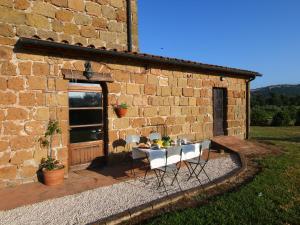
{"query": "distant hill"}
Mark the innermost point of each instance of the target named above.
(285, 89)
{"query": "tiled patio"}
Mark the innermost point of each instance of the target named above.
(77, 182)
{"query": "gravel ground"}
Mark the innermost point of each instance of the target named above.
(92, 205)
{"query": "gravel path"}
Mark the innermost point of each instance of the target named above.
(92, 205)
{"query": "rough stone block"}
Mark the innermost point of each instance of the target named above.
(82, 19)
(37, 21)
(5, 53)
(89, 32)
(16, 114)
(25, 68)
(40, 69)
(76, 4)
(3, 145)
(150, 111)
(108, 12)
(121, 15)
(37, 83)
(117, 3)
(28, 171)
(9, 172)
(9, 15)
(188, 92)
(7, 98)
(61, 3)
(35, 127)
(16, 83)
(93, 8)
(6, 30)
(4, 158)
(20, 156)
(121, 123)
(150, 89)
(133, 89)
(44, 9)
(12, 128)
(22, 4)
(25, 31)
(42, 114)
(115, 26)
(165, 91)
(3, 83)
(64, 15)
(70, 28)
(138, 122)
(27, 99)
(99, 23)
(114, 88)
(8, 69)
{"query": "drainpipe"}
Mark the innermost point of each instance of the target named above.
(129, 26)
(248, 110)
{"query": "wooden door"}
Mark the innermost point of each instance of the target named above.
(219, 111)
(86, 125)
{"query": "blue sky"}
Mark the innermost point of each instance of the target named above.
(259, 35)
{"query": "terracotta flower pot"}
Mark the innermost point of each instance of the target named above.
(121, 112)
(53, 177)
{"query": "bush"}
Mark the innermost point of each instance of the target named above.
(297, 123)
(259, 117)
(281, 118)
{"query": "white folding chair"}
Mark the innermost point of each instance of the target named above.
(166, 161)
(192, 157)
(135, 154)
(194, 162)
(154, 136)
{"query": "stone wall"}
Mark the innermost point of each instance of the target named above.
(180, 100)
(101, 23)
(32, 88)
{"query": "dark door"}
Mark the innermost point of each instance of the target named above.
(86, 125)
(219, 111)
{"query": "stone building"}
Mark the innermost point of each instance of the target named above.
(44, 47)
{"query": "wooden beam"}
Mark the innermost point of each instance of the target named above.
(78, 75)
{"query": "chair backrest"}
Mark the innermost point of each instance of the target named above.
(132, 139)
(157, 158)
(191, 151)
(154, 136)
(206, 144)
(174, 155)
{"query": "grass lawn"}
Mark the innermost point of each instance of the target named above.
(273, 197)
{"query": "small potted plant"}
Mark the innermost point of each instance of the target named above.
(52, 169)
(121, 109)
(166, 141)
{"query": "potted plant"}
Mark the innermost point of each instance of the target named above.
(166, 141)
(121, 109)
(52, 169)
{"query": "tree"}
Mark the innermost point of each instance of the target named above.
(281, 118)
(297, 123)
(259, 117)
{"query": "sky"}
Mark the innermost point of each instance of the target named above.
(257, 35)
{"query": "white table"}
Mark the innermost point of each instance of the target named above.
(138, 153)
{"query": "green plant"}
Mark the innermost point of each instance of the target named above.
(297, 123)
(166, 140)
(122, 106)
(281, 118)
(259, 117)
(46, 141)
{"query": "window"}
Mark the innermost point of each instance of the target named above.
(85, 112)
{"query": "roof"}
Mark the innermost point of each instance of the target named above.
(102, 54)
